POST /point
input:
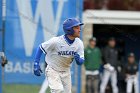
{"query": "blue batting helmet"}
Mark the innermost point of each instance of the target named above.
(69, 24)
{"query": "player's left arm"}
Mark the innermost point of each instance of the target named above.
(37, 69)
(79, 55)
(42, 48)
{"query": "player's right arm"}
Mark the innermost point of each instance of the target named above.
(79, 55)
(42, 48)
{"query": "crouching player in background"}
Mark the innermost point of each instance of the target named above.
(60, 52)
(131, 71)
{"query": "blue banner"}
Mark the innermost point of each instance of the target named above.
(0, 14)
(29, 23)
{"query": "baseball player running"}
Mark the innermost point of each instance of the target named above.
(131, 71)
(60, 52)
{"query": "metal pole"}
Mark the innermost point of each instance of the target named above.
(3, 24)
(3, 36)
(3, 61)
(79, 15)
(79, 67)
(0, 56)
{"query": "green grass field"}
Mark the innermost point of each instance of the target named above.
(20, 88)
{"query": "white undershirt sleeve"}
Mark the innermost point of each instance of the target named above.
(80, 50)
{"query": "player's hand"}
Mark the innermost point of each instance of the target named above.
(78, 60)
(127, 75)
(37, 69)
(109, 67)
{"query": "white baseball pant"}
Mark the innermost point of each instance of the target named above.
(106, 76)
(59, 81)
(132, 79)
(44, 86)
